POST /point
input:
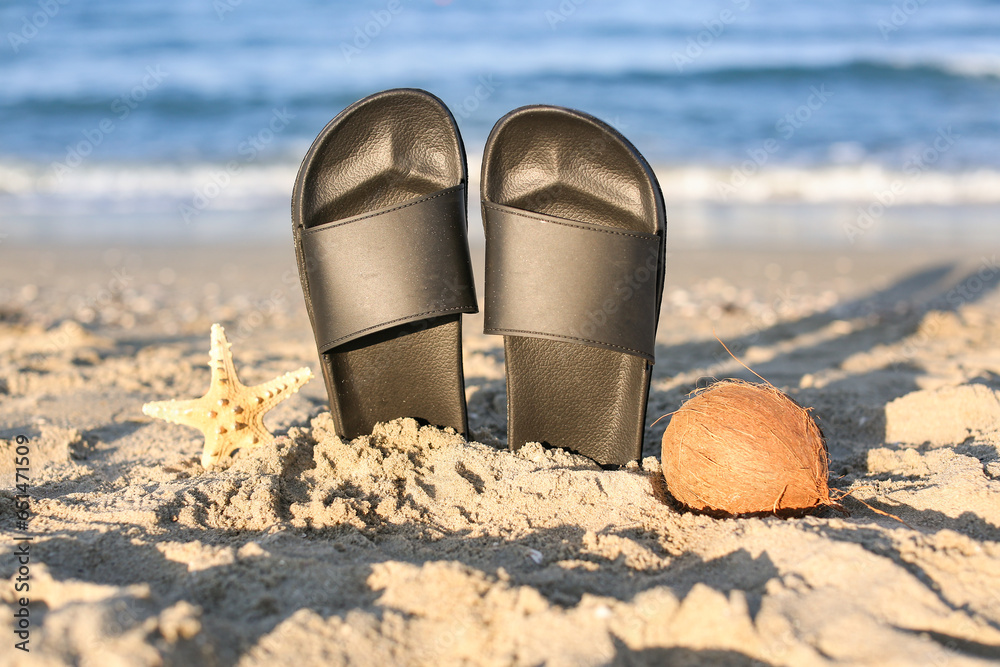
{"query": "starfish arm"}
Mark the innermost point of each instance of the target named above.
(220, 359)
(275, 391)
(219, 446)
(188, 413)
(260, 435)
(212, 451)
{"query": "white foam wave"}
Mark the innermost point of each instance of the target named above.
(973, 66)
(31, 188)
(833, 184)
(144, 181)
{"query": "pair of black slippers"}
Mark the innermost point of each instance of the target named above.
(575, 252)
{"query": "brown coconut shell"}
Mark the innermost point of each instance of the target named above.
(739, 448)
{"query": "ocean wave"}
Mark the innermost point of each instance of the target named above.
(829, 184)
(192, 102)
(966, 66)
(218, 187)
(889, 65)
(222, 184)
(970, 66)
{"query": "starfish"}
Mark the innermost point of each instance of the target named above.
(231, 415)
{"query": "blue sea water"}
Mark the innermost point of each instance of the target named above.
(111, 109)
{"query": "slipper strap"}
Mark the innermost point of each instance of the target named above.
(396, 265)
(560, 279)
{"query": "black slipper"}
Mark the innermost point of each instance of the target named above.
(575, 253)
(378, 217)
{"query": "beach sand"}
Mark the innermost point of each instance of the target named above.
(415, 546)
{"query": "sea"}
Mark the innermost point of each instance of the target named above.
(854, 123)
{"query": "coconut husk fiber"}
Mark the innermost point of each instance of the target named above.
(738, 448)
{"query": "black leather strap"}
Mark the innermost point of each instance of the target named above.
(560, 279)
(400, 264)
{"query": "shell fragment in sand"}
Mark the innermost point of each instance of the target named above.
(230, 415)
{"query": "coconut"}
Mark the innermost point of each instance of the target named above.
(741, 448)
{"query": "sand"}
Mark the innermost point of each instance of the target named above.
(414, 546)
